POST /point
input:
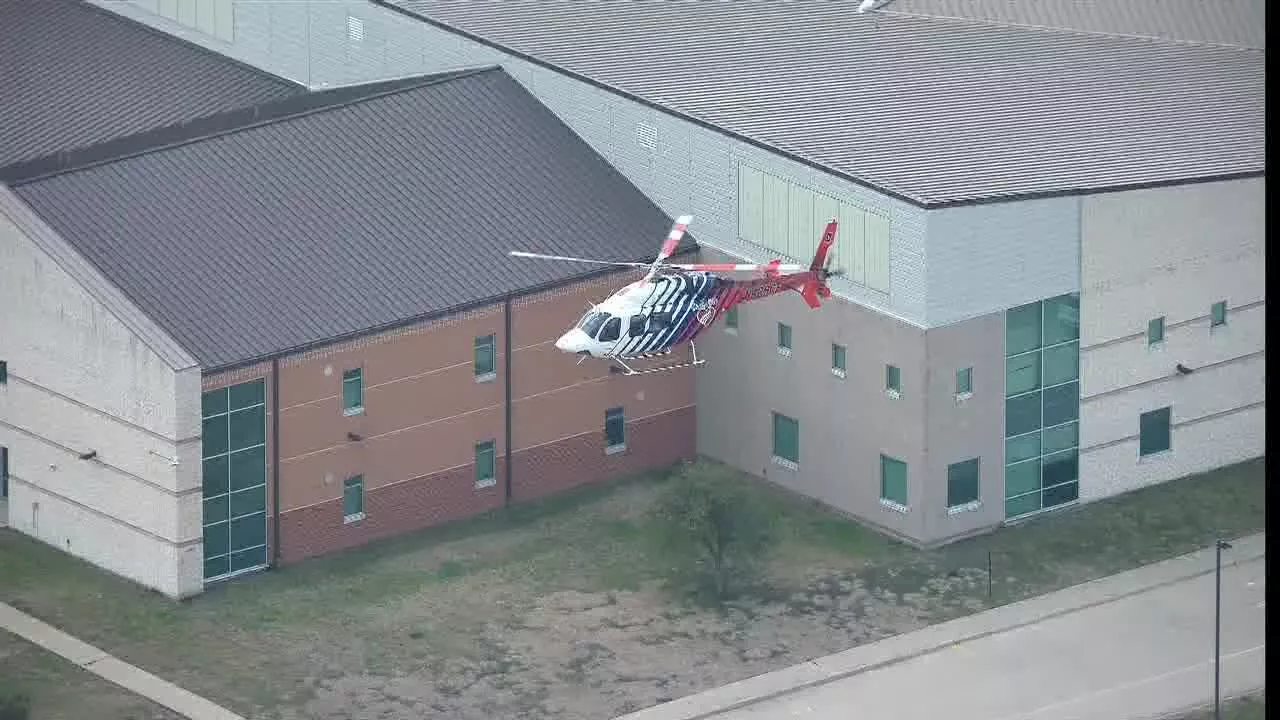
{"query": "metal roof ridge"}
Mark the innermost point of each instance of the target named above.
(221, 124)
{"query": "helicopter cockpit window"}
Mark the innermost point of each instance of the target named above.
(591, 322)
(612, 329)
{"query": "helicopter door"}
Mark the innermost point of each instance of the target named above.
(610, 334)
(637, 325)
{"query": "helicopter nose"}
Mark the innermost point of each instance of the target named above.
(574, 341)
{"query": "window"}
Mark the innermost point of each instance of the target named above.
(486, 461)
(784, 338)
(964, 381)
(838, 360)
(1155, 331)
(731, 318)
(1218, 314)
(4, 372)
(637, 325)
(4, 472)
(614, 430)
(353, 391)
(893, 481)
(234, 478)
(892, 380)
(611, 331)
(1042, 405)
(353, 499)
(962, 483)
(660, 321)
(1154, 431)
(485, 357)
(786, 440)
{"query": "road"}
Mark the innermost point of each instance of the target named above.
(1141, 656)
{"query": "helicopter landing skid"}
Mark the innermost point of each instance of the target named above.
(628, 370)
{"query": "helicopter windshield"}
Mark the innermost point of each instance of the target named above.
(591, 322)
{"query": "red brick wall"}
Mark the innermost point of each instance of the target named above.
(651, 443)
(425, 412)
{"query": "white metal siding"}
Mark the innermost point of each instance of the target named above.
(1171, 252)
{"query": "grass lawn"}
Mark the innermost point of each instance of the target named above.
(1248, 707)
(59, 690)
(558, 608)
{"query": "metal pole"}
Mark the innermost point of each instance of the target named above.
(1217, 631)
(988, 574)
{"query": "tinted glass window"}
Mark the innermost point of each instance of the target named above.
(611, 330)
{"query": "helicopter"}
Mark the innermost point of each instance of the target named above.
(674, 302)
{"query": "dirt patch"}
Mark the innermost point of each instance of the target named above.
(592, 655)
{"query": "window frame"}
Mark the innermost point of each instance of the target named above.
(892, 380)
(355, 482)
(961, 504)
(1218, 314)
(839, 360)
(964, 389)
(780, 420)
(887, 461)
(358, 378)
(785, 339)
(1166, 428)
(489, 447)
(615, 415)
(478, 346)
(1155, 331)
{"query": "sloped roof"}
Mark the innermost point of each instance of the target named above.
(75, 75)
(343, 211)
(1214, 22)
(935, 111)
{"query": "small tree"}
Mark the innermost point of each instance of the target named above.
(713, 523)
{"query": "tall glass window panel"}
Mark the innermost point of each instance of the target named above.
(1061, 364)
(1022, 329)
(1061, 404)
(1022, 373)
(1061, 319)
(1022, 414)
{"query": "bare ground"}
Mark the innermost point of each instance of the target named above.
(564, 609)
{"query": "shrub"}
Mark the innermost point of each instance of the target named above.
(14, 706)
(716, 527)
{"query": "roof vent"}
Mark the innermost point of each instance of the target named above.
(355, 29)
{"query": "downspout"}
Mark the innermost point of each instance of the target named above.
(506, 379)
(275, 460)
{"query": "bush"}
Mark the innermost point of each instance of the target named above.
(716, 527)
(14, 706)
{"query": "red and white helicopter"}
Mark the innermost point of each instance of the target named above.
(674, 302)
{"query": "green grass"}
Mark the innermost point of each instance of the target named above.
(59, 690)
(260, 641)
(1248, 707)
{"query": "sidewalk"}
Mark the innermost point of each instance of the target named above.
(1134, 645)
(90, 658)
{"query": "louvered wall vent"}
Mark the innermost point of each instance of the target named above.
(355, 29)
(647, 136)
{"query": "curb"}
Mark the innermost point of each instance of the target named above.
(811, 673)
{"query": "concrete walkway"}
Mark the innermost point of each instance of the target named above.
(1131, 646)
(90, 658)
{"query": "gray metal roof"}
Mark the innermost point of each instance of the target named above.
(1221, 22)
(74, 75)
(931, 110)
(324, 222)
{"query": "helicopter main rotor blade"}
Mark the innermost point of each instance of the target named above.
(737, 267)
(540, 256)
